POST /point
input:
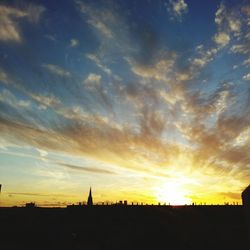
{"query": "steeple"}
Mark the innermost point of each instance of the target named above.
(90, 200)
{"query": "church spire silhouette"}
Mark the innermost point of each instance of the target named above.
(90, 199)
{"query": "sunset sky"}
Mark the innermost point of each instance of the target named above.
(146, 101)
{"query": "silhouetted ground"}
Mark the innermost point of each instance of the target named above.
(118, 227)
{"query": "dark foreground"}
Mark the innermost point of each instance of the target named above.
(137, 227)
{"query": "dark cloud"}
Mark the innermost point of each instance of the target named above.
(86, 169)
(37, 194)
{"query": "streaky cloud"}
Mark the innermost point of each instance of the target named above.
(86, 169)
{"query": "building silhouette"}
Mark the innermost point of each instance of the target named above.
(30, 205)
(246, 197)
(90, 199)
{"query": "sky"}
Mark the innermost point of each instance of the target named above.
(146, 101)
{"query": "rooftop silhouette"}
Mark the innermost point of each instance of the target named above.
(246, 197)
(145, 226)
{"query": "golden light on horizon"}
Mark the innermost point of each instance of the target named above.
(173, 193)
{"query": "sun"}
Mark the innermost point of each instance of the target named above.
(173, 194)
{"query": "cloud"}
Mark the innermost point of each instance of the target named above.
(77, 115)
(17, 144)
(247, 62)
(92, 139)
(42, 152)
(160, 70)
(50, 37)
(9, 16)
(4, 77)
(228, 20)
(37, 194)
(222, 39)
(233, 25)
(45, 100)
(57, 70)
(203, 57)
(8, 98)
(229, 24)
(93, 81)
(107, 24)
(31, 135)
(241, 49)
(100, 20)
(230, 28)
(246, 77)
(86, 169)
(95, 59)
(74, 43)
(103, 28)
(9, 30)
(34, 12)
(177, 8)
(218, 142)
(213, 104)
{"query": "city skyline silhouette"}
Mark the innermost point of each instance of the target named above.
(245, 196)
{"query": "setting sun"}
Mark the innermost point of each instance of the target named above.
(173, 194)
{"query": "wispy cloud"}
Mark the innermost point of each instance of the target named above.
(86, 169)
(100, 20)
(98, 62)
(37, 194)
(9, 17)
(57, 70)
(160, 71)
(8, 98)
(44, 100)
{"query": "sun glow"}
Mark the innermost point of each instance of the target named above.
(173, 194)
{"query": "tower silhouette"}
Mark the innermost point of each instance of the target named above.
(90, 200)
